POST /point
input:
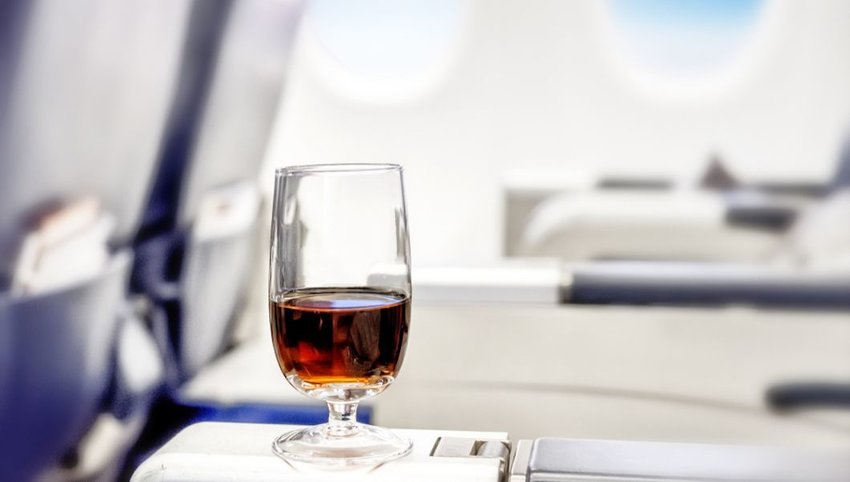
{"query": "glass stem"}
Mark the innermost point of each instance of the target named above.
(342, 419)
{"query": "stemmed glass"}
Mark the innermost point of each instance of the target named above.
(339, 299)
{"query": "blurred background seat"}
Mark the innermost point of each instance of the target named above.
(112, 107)
(86, 98)
(716, 219)
(198, 243)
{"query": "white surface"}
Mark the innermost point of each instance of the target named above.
(213, 452)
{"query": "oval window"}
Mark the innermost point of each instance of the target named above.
(685, 43)
(385, 45)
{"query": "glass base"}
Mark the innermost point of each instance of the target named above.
(362, 445)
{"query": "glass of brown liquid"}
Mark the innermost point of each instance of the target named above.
(339, 300)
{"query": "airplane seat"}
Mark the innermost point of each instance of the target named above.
(721, 221)
(84, 105)
(808, 267)
(59, 363)
(596, 225)
(197, 241)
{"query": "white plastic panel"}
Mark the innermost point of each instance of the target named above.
(213, 452)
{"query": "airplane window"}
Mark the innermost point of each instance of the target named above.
(386, 37)
(685, 41)
(376, 44)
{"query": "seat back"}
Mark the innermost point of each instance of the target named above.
(56, 367)
(84, 105)
(195, 263)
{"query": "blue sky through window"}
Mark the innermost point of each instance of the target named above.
(387, 37)
(685, 37)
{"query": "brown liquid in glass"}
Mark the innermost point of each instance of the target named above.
(340, 335)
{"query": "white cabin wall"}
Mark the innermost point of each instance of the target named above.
(538, 87)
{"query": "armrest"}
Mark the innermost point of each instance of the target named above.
(803, 395)
(760, 211)
(553, 460)
(703, 284)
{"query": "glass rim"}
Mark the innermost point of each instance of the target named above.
(340, 168)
